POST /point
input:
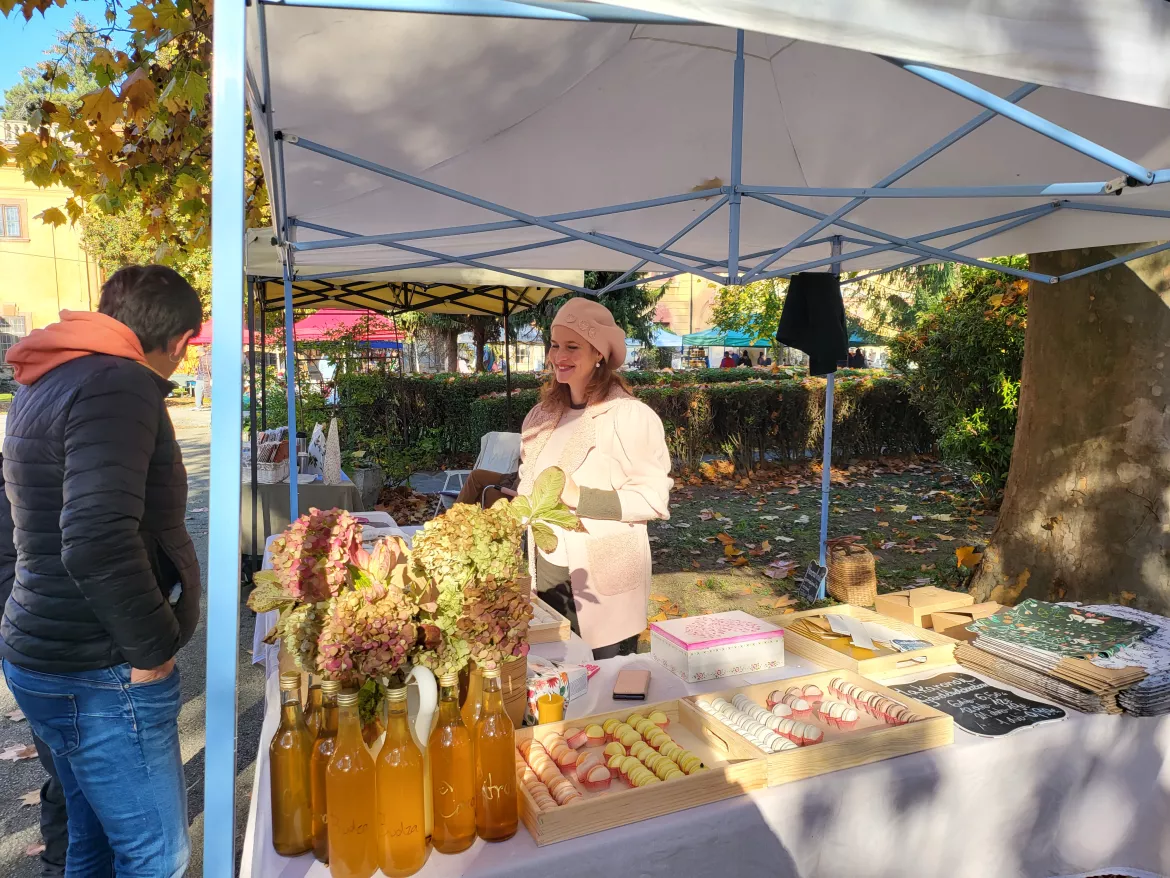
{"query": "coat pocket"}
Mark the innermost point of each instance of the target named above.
(619, 562)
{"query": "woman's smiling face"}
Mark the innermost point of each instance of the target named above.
(573, 359)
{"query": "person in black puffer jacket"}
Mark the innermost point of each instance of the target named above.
(106, 586)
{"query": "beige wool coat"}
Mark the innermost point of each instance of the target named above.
(618, 445)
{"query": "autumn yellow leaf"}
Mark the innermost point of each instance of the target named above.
(883, 524)
(100, 105)
(659, 598)
(726, 539)
(898, 508)
(946, 538)
(967, 556)
(996, 300)
(657, 617)
(141, 18)
(731, 551)
(739, 562)
(52, 217)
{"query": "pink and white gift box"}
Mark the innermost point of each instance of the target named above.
(718, 645)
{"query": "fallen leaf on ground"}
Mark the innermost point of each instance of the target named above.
(967, 556)
(659, 598)
(900, 508)
(726, 539)
(802, 520)
(943, 516)
(777, 603)
(739, 562)
(731, 551)
(785, 539)
(769, 517)
(16, 752)
(883, 524)
(657, 617)
(16, 716)
(32, 797)
(1127, 598)
(917, 517)
(945, 538)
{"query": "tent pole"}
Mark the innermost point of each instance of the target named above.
(827, 456)
(223, 550)
(290, 385)
(252, 438)
(507, 365)
(736, 162)
(263, 359)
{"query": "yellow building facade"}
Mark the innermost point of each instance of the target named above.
(687, 305)
(43, 270)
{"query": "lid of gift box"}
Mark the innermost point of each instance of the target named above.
(716, 629)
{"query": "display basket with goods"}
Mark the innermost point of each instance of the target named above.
(585, 775)
(852, 577)
(864, 642)
(547, 625)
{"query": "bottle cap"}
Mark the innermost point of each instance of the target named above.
(333, 686)
(449, 680)
(491, 673)
(347, 697)
(290, 680)
(398, 694)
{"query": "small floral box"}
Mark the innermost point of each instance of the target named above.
(700, 648)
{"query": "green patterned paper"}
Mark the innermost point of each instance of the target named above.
(1065, 631)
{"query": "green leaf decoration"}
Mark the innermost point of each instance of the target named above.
(562, 517)
(546, 492)
(521, 509)
(546, 540)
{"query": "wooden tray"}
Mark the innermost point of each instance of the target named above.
(871, 740)
(880, 667)
(547, 625)
(621, 804)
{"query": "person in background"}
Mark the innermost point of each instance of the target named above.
(859, 359)
(612, 448)
(202, 377)
(763, 359)
(728, 361)
(106, 587)
(744, 359)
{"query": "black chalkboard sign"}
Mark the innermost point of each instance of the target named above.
(978, 707)
(809, 587)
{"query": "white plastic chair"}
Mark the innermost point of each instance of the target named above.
(498, 453)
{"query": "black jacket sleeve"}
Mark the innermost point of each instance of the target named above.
(7, 543)
(110, 437)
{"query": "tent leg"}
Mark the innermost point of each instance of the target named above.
(253, 439)
(263, 364)
(290, 384)
(507, 365)
(736, 162)
(827, 455)
(223, 551)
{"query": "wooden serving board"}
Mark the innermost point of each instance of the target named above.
(547, 625)
(880, 666)
(871, 740)
(621, 804)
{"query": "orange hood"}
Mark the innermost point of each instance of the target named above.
(78, 334)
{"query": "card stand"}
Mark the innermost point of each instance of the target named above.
(871, 740)
(941, 653)
(730, 774)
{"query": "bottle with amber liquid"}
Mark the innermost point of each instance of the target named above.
(496, 815)
(289, 755)
(452, 773)
(313, 707)
(402, 833)
(349, 792)
(323, 747)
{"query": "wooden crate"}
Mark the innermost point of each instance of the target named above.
(871, 740)
(728, 776)
(547, 625)
(880, 667)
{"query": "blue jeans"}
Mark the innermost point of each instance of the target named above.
(116, 749)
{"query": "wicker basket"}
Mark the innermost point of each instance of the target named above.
(266, 473)
(852, 577)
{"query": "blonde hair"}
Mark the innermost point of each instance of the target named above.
(556, 396)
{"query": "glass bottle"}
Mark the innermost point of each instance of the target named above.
(402, 838)
(288, 757)
(452, 773)
(496, 813)
(349, 790)
(323, 748)
(313, 707)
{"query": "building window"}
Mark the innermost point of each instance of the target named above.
(13, 222)
(12, 330)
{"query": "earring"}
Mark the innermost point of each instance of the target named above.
(597, 365)
(174, 359)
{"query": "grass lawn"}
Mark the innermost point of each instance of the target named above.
(742, 543)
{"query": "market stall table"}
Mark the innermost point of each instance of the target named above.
(1089, 794)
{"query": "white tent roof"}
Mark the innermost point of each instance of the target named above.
(548, 117)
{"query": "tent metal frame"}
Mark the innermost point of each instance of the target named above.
(232, 77)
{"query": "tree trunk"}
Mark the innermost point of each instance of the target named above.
(1086, 509)
(479, 333)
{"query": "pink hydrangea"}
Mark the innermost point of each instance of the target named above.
(312, 557)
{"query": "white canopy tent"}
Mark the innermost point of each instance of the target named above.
(735, 141)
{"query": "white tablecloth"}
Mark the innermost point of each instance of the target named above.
(1086, 795)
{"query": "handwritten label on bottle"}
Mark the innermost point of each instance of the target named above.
(493, 791)
(448, 807)
(403, 830)
(354, 828)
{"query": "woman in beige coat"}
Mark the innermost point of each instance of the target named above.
(613, 451)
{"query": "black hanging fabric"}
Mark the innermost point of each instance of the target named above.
(813, 321)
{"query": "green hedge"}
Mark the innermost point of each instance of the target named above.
(389, 414)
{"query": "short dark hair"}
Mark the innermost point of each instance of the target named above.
(154, 301)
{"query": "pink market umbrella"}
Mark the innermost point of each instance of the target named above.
(322, 324)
